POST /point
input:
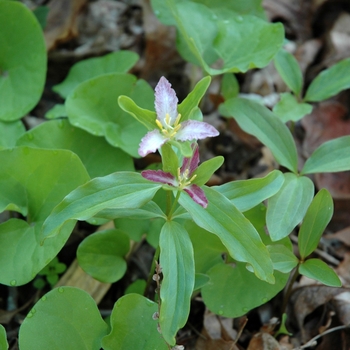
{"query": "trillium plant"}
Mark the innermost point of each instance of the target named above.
(228, 244)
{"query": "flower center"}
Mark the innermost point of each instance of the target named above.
(169, 130)
(183, 178)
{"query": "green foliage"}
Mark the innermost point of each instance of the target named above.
(22, 60)
(52, 270)
(65, 318)
(3, 342)
(10, 132)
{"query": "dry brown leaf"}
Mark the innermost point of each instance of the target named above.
(62, 21)
(263, 341)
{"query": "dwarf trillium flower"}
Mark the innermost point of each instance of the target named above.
(183, 180)
(168, 122)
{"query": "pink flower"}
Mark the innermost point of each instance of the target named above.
(183, 180)
(168, 122)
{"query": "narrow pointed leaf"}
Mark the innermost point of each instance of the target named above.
(236, 232)
(282, 258)
(177, 263)
(257, 120)
(329, 82)
(207, 169)
(246, 194)
(118, 190)
(3, 342)
(287, 208)
(320, 271)
(316, 219)
(332, 156)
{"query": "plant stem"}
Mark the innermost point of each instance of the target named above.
(174, 205)
(289, 290)
(151, 272)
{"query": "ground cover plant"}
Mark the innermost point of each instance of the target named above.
(229, 244)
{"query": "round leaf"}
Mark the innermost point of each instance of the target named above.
(22, 60)
(101, 255)
(10, 132)
(65, 318)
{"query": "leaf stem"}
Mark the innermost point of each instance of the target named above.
(171, 212)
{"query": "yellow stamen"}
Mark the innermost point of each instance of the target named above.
(177, 120)
(159, 124)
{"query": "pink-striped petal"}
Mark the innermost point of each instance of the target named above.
(191, 163)
(165, 101)
(197, 194)
(152, 141)
(159, 176)
(195, 130)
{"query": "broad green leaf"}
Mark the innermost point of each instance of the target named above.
(288, 206)
(133, 326)
(93, 106)
(207, 169)
(177, 262)
(257, 120)
(282, 258)
(32, 182)
(115, 62)
(236, 232)
(10, 132)
(22, 60)
(229, 86)
(331, 156)
(41, 13)
(246, 194)
(137, 287)
(200, 281)
(233, 291)
(65, 318)
(315, 221)
(288, 108)
(3, 341)
(319, 271)
(329, 82)
(288, 68)
(57, 111)
(169, 159)
(193, 98)
(144, 116)
(119, 190)
(97, 155)
(101, 255)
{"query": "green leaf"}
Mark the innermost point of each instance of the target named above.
(3, 341)
(101, 255)
(22, 60)
(257, 120)
(144, 116)
(57, 111)
(236, 232)
(246, 194)
(229, 284)
(10, 132)
(229, 86)
(331, 156)
(193, 98)
(65, 318)
(93, 106)
(207, 169)
(315, 221)
(329, 82)
(98, 156)
(119, 190)
(288, 68)
(288, 206)
(319, 271)
(282, 258)
(133, 326)
(137, 287)
(177, 262)
(115, 62)
(169, 159)
(288, 108)
(200, 281)
(41, 13)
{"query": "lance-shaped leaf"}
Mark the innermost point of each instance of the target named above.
(177, 263)
(287, 207)
(235, 231)
(329, 82)
(246, 194)
(319, 271)
(3, 342)
(316, 219)
(257, 120)
(119, 190)
(331, 156)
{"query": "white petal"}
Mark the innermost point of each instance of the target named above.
(195, 130)
(165, 101)
(152, 141)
